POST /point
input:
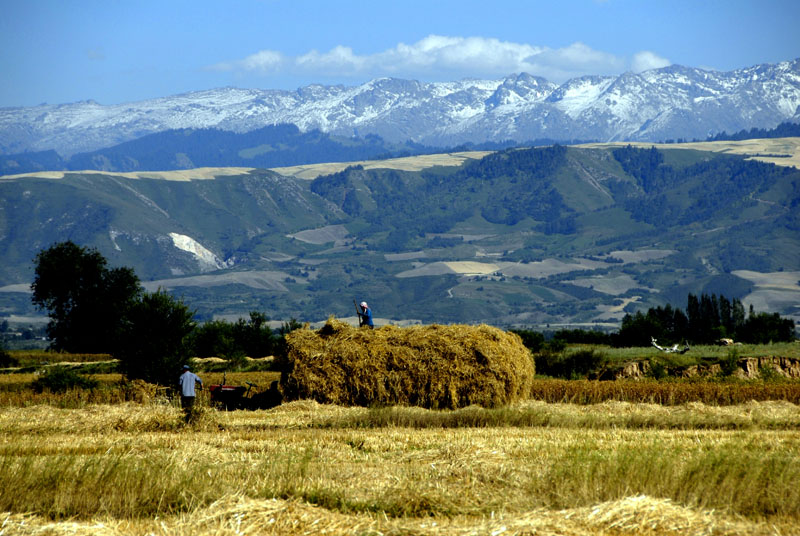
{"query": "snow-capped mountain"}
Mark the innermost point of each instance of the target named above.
(668, 103)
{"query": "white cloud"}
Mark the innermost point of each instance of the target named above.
(264, 61)
(442, 57)
(646, 60)
(574, 60)
(340, 60)
(478, 56)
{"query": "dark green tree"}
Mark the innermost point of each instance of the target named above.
(764, 328)
(86, 301)
(737, 316)
(725, 315)
(213, 339)
(257, 339)
(154, 342)
(709, 319)
(637, 329)
(6, 360)
(693, 316)
(533, 340)
(219, 338)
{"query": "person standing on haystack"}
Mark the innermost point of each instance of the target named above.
(365, 316)
(186, 382)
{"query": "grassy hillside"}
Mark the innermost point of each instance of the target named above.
(129, 220)
(522, 237)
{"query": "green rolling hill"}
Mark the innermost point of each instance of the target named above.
(521, 237)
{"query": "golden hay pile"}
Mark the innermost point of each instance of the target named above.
(429, 366)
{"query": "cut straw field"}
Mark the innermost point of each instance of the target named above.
(699, 456)
(306, 468)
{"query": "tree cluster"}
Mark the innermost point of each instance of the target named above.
(94, 309)
(673, 195)
(5, 358)
(232, 340)
(706, 320)
(784, 130)
(87, 301)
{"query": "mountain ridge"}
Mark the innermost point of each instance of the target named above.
(667, 103)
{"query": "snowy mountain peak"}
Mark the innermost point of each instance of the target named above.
(670, 102)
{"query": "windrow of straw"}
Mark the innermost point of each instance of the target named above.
(667, 393)
(432, 366)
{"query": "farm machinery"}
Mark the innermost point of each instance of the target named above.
(232, 397)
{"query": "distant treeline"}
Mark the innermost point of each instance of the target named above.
(707, 319)
(270, 146)
(784, 130)
(718, 184)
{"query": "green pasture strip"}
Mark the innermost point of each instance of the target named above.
(696, 354)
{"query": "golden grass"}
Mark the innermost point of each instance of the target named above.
(773, 415)
(236, 515)
(16, 389)
(301, 468)
(182, 175)
(663, 392)
(43, 356)
(631, 458)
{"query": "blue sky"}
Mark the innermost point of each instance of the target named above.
(115, 51)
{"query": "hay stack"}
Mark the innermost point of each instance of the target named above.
(429, 366)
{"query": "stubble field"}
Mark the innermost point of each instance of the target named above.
(305, 468)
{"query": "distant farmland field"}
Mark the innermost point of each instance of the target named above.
(410, 163)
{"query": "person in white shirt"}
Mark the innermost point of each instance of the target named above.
(187, 382)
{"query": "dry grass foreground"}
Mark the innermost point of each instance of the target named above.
(236, 515)
(306, 468)
(433, 366)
